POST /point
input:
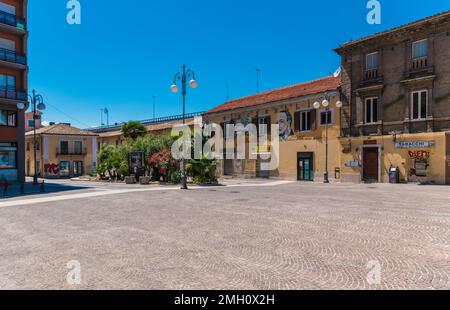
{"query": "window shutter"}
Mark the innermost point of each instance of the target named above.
(313, 120)
(297, 121)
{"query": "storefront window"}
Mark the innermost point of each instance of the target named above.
(8, 155)
(64, 169)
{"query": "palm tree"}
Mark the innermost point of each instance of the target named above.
(132, 130)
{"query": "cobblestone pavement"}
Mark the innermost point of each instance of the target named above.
(242, 236)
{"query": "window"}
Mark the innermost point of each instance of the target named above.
(64, 148)
(78, 147)
(326, 117)
(8, 156)
(419, 104)
(64, 169)
(303, 120)
(8, 118)
(264, 130)
(420, 49)
(78, 168)
(371, 110)
(7, 86)
(372, 61)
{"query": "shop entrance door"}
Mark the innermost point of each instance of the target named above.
(370, 164)
(305, 166)
(228, 167)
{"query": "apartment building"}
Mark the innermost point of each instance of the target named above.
(302, 131)
(396, 90)
(63, 151)
(13, 88)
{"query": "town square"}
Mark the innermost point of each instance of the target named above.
(262, 150)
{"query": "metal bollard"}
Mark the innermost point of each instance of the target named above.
(42, 186)
(22, 188)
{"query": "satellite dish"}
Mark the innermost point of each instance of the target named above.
(337, 73)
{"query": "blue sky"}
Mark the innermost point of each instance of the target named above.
(122, 55)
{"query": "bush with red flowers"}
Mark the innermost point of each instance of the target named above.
(164, 167)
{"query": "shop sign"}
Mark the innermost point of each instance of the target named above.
(414, 144)
(261, 150)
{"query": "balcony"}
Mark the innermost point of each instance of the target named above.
(419, 63)
(12, 60)
(12, 95)
(12, 23)
(370, 77)
(71, 152)
(419, 67)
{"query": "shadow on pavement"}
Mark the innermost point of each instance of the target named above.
(28, 189)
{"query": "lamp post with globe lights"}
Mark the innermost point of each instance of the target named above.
(183, 77)
(326, 104)
(37, 102)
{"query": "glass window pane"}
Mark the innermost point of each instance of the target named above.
(423, 104)
(368, 110)
(375, 110)
(3, 118)
(11, 82)
(420, 49)
(308, 120)
(12, 119)
(2, 81)
(372, 61)
(415, 106)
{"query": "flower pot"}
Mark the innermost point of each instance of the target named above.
(144, 180)
(130, 180)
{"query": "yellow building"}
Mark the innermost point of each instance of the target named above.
(302, 130)
(419, 157)
(63, 151)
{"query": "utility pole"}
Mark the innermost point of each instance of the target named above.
(107, 116)
(257, 79)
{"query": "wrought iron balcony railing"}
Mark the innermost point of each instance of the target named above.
(71, 151)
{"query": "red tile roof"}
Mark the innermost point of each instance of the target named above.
(303, 89)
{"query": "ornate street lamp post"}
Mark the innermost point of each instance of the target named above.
(37, 102)
(326, 104)
(182, 77)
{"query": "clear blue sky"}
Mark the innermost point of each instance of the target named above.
(122, 55)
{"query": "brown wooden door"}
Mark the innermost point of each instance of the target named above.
(370, 164)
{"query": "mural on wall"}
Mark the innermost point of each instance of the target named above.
(52, 169)
(285, 123)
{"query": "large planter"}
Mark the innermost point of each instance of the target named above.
(144, 180)
(130, 180)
